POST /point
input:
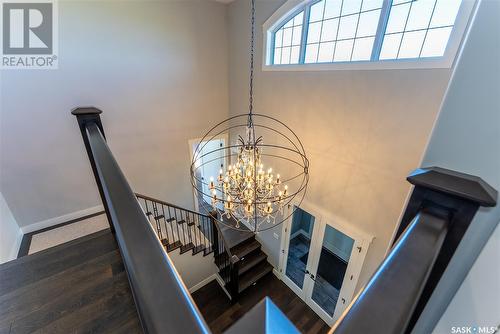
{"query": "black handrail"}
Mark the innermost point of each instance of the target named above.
(440, 210)
(177, 227)
(226, 244)
(226, 261)
(164, 304)
(169, 204)
(398, 282)
(437, 216)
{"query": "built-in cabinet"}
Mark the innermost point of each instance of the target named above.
(321, 259)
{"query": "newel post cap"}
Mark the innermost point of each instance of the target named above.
(451, 182)
(80, 111)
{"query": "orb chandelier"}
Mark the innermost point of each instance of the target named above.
(263, 175)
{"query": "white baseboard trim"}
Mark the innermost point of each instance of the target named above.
(61, 219)
(15, 247)
(202, 283)
(277, 273)
(221, 283)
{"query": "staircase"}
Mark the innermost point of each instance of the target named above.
(237, 254)
(178, 228)
(240, 259)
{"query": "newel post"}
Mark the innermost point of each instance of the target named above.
(457, 194)
(234, 264)
(84, 117)
(214, 234)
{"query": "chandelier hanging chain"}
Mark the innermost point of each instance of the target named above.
(252, 47)
(252, 51)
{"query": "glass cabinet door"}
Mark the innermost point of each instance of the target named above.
(335, 253)
(301, 230)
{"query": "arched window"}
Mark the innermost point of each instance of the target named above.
(330, 34)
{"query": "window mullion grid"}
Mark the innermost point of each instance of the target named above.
(427, 30)
(337, 34)
(356, 33)
(404, 30)
(321, 30)
(281, 48)
(303, 40)
(381, 28)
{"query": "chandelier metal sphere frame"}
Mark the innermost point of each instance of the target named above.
(259, 180)
(247, 188)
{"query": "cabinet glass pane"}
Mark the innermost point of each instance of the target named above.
(298, 250)
(335, 253)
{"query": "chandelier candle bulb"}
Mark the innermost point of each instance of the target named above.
(228, 205)
(269, 207)
(214, 197)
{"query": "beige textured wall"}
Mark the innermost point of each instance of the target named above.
(364, 131)
(158, 70)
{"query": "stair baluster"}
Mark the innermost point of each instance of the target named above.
(240, 260)
(177, 228)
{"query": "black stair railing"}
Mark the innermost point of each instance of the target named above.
(163, 303)
(437, 216)
(177, 227)
(227, 263)
(441, 208)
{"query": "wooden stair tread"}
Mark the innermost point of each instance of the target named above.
(198, 249)
(207, 250)
(246, 265)
(251, 261)
(252, 276)
(235, 237)
(186, 247)
(245, 248)
(173, 246)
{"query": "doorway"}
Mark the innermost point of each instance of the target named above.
(211, 160)
(321, 262)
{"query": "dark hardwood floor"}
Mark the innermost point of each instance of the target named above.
(77, 287)
(220, 314)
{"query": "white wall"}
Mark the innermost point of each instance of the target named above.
(467, 139)
(158, 70)
(363, 131)
(10, 233)
(193, 269)
(477, 302)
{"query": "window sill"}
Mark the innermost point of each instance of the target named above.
(421, 63)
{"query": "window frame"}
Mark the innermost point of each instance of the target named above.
(291, 8)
